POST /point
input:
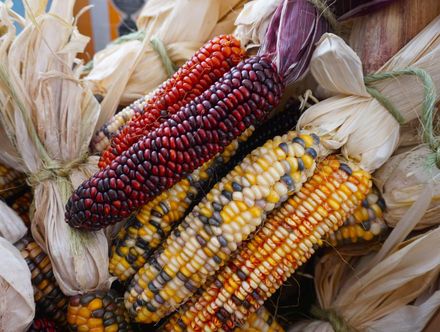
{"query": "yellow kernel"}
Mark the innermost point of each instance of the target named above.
(94, 322)
(83, 328)
(334, 205)
(308, 140)
(95, 304)
(308, 161)
(111, 328)
(84, 312)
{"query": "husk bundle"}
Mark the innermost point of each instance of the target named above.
(17, 306)
(394, 290)
(12, 228)
(47, 117)
(352, 120)
(126, 71)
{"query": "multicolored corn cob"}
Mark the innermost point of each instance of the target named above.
(231, 211)
(144, 232)
(22, 204)
(113, 127)
(277, 249)
(11, 182)
(42, 325)
(189, 138)
(49, 299)
(206, 66)
(365, 224)
(260, 321)
(97, 311)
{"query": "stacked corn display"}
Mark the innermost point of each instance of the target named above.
(50, 301)
(260, 321)
(42, 325)
(285, 241)
(152, 224)
(195, 134)
(205, 67)
(97, 311)
(231, 211)
(365, 224)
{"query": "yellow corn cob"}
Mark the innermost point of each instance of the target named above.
(144, 232)
(285, 241)
(232, 210)
(49, 299)
(260, 321)
(365, 224)
(97, 311)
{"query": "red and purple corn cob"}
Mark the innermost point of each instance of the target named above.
(192, 136)
(205, 67)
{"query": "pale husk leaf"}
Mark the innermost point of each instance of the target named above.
(182, 25)
(253, 21)
(17, 306)
(381, 297)
(49, 117)
(356, 122)
(401, 181)
(12, 227)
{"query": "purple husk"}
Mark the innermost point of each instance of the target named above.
(295, 28)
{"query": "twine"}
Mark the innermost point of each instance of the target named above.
(326, 12)
(52, 170)
(428, 106)
(160, 49)
(336, 321)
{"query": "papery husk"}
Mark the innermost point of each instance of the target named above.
(48, 117)
(401, 181)
(12, 228)
(252, 22)
(17, 305)
(398, 292)
(376, 37)
(128, 71)
(354, 121)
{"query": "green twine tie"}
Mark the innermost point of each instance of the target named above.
(336, 321)
(52, 170)
(160, 49)
(428, 106)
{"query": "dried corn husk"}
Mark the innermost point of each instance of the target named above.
(47, 117)
(17, 306)
(12, 228)
(397, 292)
(401, 181)
(352, 119)
(126, 71)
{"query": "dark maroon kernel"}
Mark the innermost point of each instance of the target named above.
(182, 143)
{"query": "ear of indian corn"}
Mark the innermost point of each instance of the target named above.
(42, 325)
(189, 138)
(50, 301)
(205, 67)
(232, 210)
(21, 204)
(285, 241)
(97, 311)
(260, 321)
(364, 224)
(12, 183)
(151, 225)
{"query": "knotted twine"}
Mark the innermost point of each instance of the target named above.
(338, 323)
